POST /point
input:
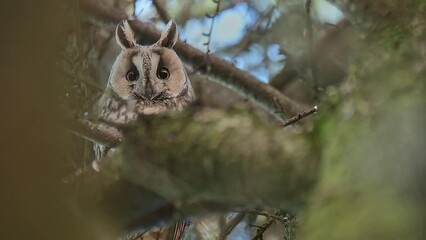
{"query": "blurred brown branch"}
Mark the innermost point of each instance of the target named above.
(218, 70)
(160, 5)
(102, 134)
(223, 182)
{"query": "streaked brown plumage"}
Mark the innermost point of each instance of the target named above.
(143, 80)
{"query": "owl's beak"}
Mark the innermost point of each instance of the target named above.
(149, 93)
(149, 90)
(161, 95)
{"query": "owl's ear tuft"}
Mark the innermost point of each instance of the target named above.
(169, 36)
(124, 35)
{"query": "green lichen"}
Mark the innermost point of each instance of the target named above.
(369, 185)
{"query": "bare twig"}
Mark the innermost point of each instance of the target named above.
(300, 116)
(161, 9)
(263, 228)
(212, 17)
(271, 220)
(231, 225)
(217, 69)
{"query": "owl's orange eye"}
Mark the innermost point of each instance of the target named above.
(163, 73)
(132, 75)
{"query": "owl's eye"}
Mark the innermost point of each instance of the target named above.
(163, 73)
(132, 75)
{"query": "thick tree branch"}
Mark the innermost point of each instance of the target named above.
(102, 134)
(218, 70)
(217, 162)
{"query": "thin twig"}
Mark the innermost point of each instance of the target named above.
(204, 63)
(300, 116)
(271, 220)
(263, 228)
(209, 34)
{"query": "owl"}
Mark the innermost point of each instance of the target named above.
(144, 80)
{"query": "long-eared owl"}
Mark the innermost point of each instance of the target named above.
(144, 80)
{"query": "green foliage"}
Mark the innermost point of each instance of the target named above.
(392, 37)
(369, 185)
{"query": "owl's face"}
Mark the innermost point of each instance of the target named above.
(149, 74)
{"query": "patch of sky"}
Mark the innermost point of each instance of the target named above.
(260, 73)
(274, 54)
(231, 24)
(254, 56)
(192, 33)
(230, 27)
(262, 6)
(276, 59)
(144, 10)
(240, 232)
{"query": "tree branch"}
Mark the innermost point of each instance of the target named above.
(233, 165)
(300, 116)
(216, 69)
(102, 134)
(161, 10)
(263, 228)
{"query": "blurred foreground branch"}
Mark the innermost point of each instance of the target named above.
(102, 134)
(199, 163)
(162, 11)
(216, 69)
